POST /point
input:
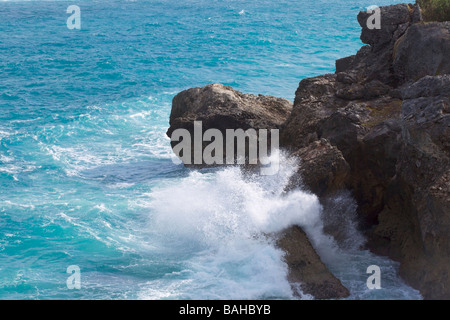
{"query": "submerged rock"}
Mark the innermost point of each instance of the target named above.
(306, 269)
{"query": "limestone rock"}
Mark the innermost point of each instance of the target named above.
(222, 107)
(381, 127)
(393, 18)
(323, 169)
(423, 50)
(306, 268)
(416, 220)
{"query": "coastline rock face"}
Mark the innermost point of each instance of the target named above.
(384, 116)
(362, 128)
(423, 50)
(394, 21)
(323, 169)
(415, 225)
(374, 61)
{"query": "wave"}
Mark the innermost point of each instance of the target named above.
(219, 224)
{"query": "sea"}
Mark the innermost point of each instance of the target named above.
(92, 205)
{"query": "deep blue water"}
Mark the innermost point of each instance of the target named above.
(86, 175)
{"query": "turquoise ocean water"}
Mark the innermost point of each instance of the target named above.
(86, 175)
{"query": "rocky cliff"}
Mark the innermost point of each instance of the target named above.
(383, 122)
(380, 127)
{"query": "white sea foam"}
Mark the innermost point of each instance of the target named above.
(219, 221)
(219, 224)
(4, 134)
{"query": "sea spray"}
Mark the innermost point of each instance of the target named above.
(220, 223)
(347, 258)
(340, 219)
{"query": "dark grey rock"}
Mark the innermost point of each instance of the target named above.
(344, 64)
(306, 269)
(428, 86)
(391, 18)
(423, 50)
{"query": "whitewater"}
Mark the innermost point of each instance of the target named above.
(87, 176)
